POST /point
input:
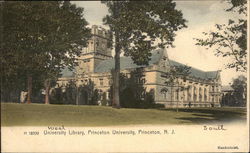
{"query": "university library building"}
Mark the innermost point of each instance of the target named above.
(198, 89)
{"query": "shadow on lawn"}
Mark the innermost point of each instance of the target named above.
(212, 115)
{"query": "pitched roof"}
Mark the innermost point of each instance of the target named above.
(127, 63)
(198, 73)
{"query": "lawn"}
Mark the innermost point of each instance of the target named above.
(70, 115)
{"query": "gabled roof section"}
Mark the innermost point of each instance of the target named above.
(196, 72)
(127, 62)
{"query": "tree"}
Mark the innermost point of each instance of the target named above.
(139, 27)
(133, 93)
(240, 90)
(230, 40)
(39, 40)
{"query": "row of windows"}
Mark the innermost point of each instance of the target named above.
(138, 80)
(196, 97)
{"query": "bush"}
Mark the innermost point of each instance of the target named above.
(148, 102)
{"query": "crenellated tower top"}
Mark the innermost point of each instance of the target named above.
(97, 50)
(99, 42)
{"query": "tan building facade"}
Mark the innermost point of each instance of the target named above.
(199, 89)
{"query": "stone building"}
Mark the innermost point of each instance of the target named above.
(199, 89)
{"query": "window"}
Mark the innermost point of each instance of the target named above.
(109, 95)
(86, 81)
(177, 95)
(195, 96)
(143, 80)
(164, 93)
(110, 82)
(205, 94)
(200, 94)
(189, 96)
(101, 82)
(189, 92)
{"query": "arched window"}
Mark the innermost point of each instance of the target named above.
(195, 95)
(177, 94)
(200, 94)
(164, 92)
(205, 94)
(189, 92)
(101, 81)
(184, 96)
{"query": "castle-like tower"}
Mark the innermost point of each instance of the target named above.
(98, 49)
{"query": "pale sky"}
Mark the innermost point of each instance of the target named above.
(201, 16)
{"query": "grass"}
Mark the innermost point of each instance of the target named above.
(13, 114)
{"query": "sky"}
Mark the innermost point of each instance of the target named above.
(201, 16)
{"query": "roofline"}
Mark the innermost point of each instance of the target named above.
(195, 67)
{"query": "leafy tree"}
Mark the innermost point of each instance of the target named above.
(39, 40)
(240, 90)
(132, 91)
(230, 40)
(139, 27)
(238, 95)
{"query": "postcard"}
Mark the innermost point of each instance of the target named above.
(125, 76)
